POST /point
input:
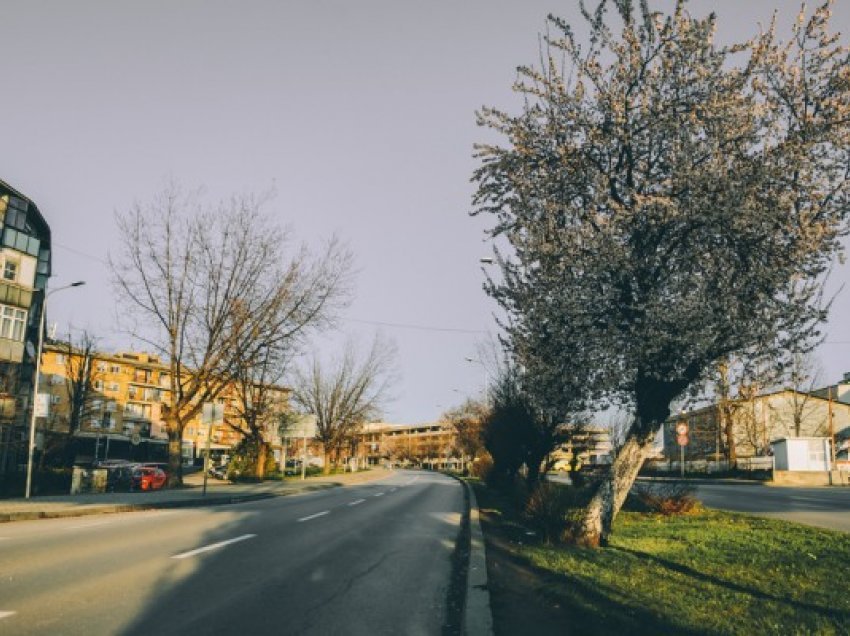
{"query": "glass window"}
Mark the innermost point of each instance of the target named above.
(10, 270)
(12, 323)
(18, 204)
(20, 241)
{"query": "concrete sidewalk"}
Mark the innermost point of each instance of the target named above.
(218, 493)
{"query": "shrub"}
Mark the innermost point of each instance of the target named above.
(482, 466)
(666, 498)
(555, 510)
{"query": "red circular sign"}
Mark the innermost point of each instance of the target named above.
(682, 428)
(682, 440)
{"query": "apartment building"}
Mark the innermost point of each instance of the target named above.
(120, 417)
(25, 261)
(432, 445)
(758, 422)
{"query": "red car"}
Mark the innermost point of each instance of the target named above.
(148, 478)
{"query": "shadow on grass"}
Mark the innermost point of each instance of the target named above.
(528, 599)
(732, 585)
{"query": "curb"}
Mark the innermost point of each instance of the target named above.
(200, 502)
(478, 617)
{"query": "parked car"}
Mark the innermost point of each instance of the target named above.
(219, 472)
(148, 478)
(163, 466)
(119, 474)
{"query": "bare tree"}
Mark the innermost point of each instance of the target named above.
(668, 202)
(467, 422)
(344, 395)
(207, 288)
(260, 407)
(801, 377)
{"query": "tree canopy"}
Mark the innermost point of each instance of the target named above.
(666, 201)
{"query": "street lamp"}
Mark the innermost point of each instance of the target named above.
(35, 382)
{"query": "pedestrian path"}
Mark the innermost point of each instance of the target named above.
(218, 493)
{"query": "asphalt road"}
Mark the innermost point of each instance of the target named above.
(366, 559)
(827, 507)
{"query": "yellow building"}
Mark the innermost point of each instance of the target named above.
(121, 415)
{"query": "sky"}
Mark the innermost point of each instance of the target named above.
(359, 116)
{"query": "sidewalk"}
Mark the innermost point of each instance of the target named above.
(218, 493)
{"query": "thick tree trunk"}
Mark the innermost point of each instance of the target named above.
(606, 503)
(175, 453)
(261, 460)
(326, 469)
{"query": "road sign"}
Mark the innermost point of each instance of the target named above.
(682, 428)
(42, 405)
(682, 440)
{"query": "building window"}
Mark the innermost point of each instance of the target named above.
(111, 406)
(12, 323)
(20, 241)
(115, 368)
(60, 358)
(98, 385)
(101, 366)
(10, 270)
(113, 386)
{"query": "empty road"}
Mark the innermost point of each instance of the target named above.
(366, 559)
(826, 507)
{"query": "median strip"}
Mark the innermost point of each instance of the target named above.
(213, 546)
(318, 514)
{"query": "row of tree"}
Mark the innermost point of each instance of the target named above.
(661, 203)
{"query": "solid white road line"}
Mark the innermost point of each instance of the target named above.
(6, 614)
(318, 514)
(356, 501)
(379, 494)
(213, 546)
(88, 525)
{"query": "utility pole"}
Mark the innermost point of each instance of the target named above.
(831, 432)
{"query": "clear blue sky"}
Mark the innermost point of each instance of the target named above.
(359, 114)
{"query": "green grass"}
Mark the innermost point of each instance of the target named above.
(710, 572)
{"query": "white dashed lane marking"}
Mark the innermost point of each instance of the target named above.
(356, 501)
(379, 494)
(213, 546)
(4, 614)
(318, 514)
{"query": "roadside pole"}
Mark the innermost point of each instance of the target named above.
(210, 413)
(304, 459)
(682, 440)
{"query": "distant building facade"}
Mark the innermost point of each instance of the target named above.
(121, 415)
(758, 422)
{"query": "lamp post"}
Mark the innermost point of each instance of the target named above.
(35, 382)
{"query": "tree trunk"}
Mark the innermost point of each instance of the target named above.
(731, 448)
(326, 469)
(599, 516)
(261, 460)
(175, 453)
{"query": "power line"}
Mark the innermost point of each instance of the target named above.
(79, 253)
(400, 325)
